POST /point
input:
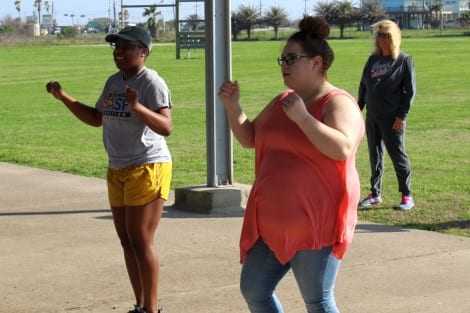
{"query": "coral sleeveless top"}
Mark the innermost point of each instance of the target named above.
(301, 199)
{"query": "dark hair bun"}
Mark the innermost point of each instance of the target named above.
(316, 26)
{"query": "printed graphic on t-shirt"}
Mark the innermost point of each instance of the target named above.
(378, 70)
(115, 104)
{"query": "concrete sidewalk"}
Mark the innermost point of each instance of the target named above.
(60, 253)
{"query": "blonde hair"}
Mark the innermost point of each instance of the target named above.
(387, 26)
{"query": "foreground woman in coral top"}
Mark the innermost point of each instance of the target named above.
(302, 209)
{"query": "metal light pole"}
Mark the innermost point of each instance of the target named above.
(122, 14)
(72, 15)
(218, 68)
(78, 21)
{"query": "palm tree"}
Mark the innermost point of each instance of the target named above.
(123, 17)
(249, 16)
(346, 14)
(47, 6)
(371, 12)
(193, 21)
(327, 10)
(340, 13)
(18, 7)
(37, 4)
(464, 19)
(275, 17)
(152, 20)
(436, 17)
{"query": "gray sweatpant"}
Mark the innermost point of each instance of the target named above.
(379, 135)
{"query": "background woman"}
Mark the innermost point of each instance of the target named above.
(387, 90)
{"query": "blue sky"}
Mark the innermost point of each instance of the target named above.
(100, 8)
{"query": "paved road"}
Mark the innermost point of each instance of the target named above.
(59, 253)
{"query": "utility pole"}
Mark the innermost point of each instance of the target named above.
(122, 15)
(114, 17)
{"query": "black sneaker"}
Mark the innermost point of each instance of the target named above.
(137, 309)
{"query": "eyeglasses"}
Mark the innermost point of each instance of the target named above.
(383, 35)
(124, 45)
(290, 59)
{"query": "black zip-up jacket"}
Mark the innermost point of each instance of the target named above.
(395, 92)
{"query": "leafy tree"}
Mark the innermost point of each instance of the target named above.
(14, 27)
(170, 25)
(152, 22)
(249, 16)
(68, 32)
(275, 17)
(237, 24)
(4, 29)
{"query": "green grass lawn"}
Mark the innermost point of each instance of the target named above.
(37, 130)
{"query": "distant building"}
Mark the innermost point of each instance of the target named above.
(417, 14)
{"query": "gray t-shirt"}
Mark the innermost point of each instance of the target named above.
(127, 139)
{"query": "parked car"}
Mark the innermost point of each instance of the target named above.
(457, 23)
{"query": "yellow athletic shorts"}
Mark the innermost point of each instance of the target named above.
(138, 185)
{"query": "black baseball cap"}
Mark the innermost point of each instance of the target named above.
(132, 33)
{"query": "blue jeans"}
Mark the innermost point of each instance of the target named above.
(314, 270)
